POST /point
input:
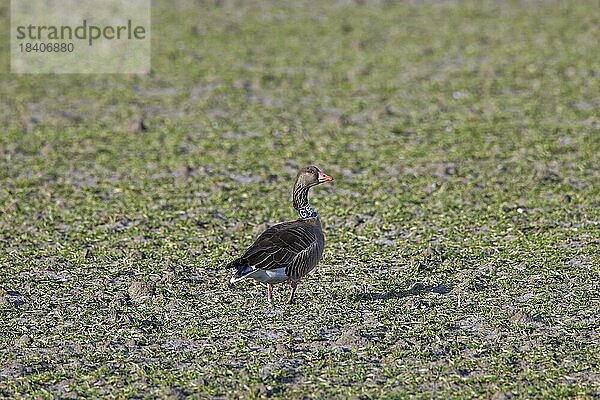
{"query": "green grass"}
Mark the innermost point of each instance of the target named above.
(463, 226)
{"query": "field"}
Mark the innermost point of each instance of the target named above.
(462, 227)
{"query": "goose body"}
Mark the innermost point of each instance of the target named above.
(287, 251)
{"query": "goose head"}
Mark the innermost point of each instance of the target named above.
(311, 176)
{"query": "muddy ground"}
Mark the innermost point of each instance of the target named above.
(462, 256)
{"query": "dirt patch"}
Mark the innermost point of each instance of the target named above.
(350, 338)
(141, 291)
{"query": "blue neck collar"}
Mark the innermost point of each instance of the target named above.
(307, 212)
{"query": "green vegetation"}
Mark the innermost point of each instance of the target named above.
(463, 225)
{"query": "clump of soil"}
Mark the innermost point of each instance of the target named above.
(141, 291)
(350, 339)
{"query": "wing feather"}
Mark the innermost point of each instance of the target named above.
(279, 245)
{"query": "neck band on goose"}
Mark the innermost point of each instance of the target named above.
(300, 199)
(307, 212)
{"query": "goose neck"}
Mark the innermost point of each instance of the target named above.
(300, 200)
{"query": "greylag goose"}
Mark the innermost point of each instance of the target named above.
(287, 251)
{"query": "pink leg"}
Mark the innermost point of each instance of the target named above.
(294, 286)
(269, 292)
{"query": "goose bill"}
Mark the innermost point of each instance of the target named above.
(324, 177)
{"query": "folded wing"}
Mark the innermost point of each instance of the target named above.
(280, 245)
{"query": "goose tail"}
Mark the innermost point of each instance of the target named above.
(243, 270)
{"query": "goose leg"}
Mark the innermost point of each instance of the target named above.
(294, 286)
(269, 292)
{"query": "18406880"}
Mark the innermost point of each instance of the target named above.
(46, 47)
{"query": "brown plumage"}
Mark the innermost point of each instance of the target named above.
(286, 252)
